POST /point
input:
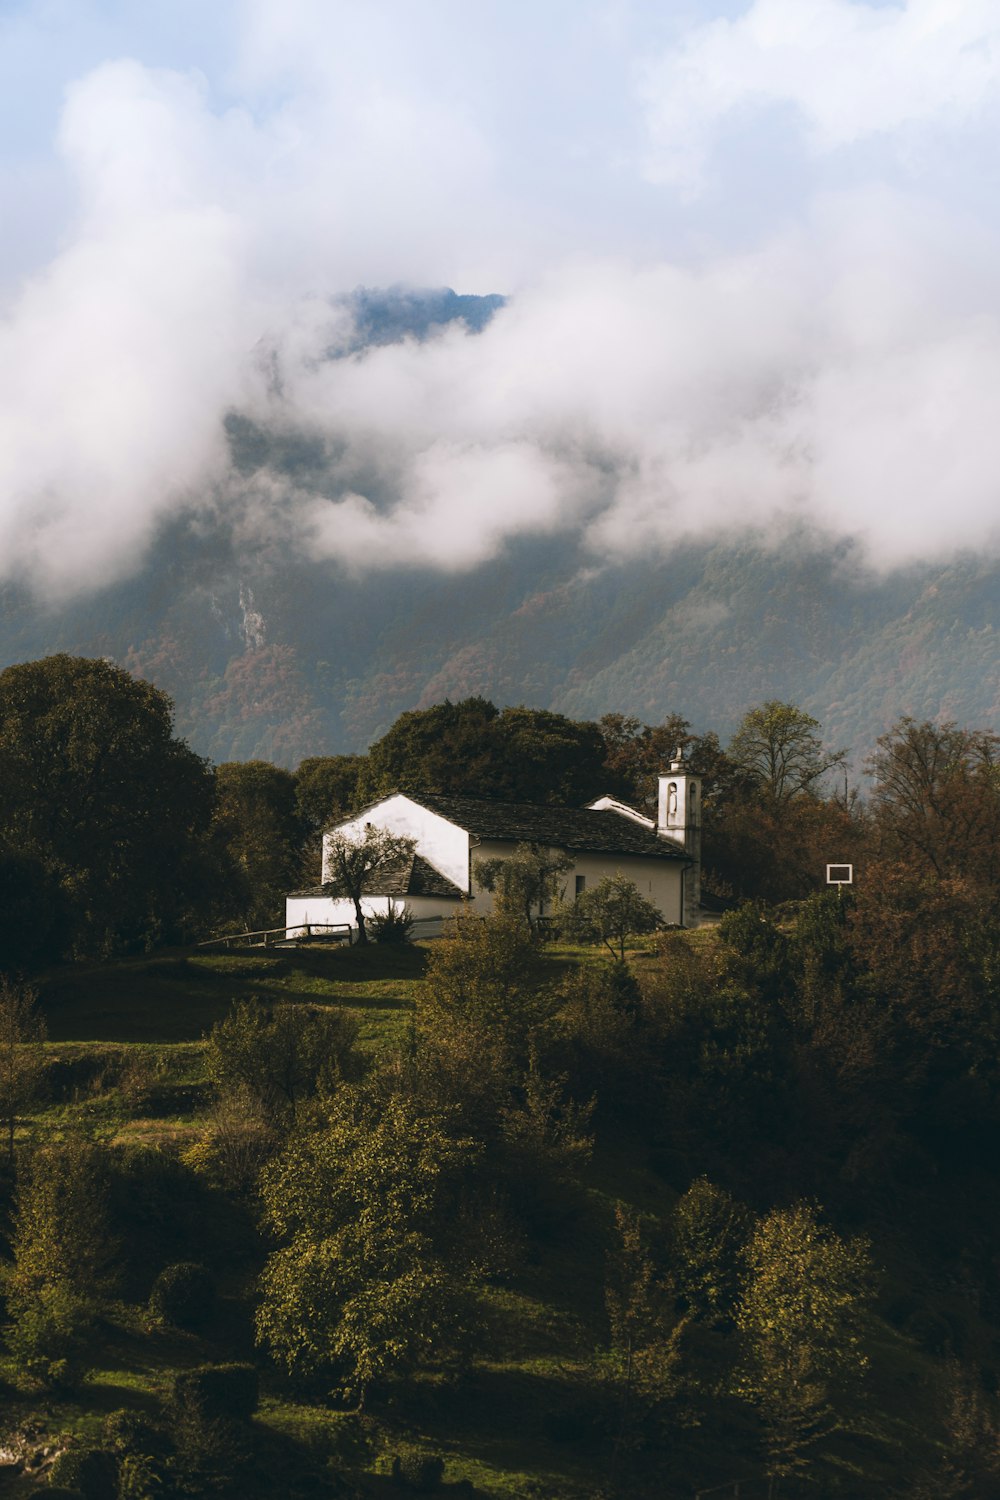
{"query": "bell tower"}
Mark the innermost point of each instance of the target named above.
(678, 818)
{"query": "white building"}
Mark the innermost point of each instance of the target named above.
(662, 856)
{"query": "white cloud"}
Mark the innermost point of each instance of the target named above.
(850, 70)
(637, 406)
(843, 373)
(116, 360)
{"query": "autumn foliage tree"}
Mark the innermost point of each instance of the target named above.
(936, 799)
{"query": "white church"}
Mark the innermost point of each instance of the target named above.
(450, 834)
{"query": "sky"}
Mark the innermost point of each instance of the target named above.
(750, 249)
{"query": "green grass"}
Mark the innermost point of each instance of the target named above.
(178, 997)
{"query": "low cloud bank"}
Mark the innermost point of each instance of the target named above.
(844, 374)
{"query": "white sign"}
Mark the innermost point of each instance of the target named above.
(840, 874)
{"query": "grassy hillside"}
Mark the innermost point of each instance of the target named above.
(530, 1417)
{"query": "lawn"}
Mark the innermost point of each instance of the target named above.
(178, 997)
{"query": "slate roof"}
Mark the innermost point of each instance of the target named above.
(414, 876)
(596, 831)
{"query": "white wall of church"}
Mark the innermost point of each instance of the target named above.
(301, 911)
(659, 880)
(441, 843)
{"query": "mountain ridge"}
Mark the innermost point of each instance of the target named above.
(270, 654)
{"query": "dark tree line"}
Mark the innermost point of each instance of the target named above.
(116, 837)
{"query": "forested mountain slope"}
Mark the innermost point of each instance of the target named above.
(268, 654)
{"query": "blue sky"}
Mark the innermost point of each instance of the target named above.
(751, 248)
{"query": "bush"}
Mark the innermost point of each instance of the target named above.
(49, 1334)
(141, 1477)
(92, 1471)
(127, 1432)
(61, 1492)
(184, 1295)
(420, 1472)
(218, 1392)
(391, 926)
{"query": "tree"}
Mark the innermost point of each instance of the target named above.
(35, 910)
(22, 1059)
(484, 975)
(351, 862)
(479, 1007)
(778, 744)
(646, 1333)
(371, 1279)
(611, 911)
(62, 1257)
(60, 1229)
(525, 880)
(448, 748)
(708, 1233)
(95, 786)
(278, 1058)
(546, 757)
(258, 834)
(936, 801)
(803, 1320)
(326, 788)
(473, 749)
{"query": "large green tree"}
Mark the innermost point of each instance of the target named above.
(370, 1279)
(803, 1320)
(98, 790)
(474, 749)
(258, 835)
(326, 788)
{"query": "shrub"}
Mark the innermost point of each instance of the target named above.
(238, 1142)
(417, 1471)
(49, 1334)
(61, 1492)
(141, 1477)
(92, 1471)
(279, 1057)
(184, 1295)
(218, 1392)
(128, 1432)
(391, 926)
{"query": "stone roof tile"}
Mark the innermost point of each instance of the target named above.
(594, 830)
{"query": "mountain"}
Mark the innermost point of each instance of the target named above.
(272, 656)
